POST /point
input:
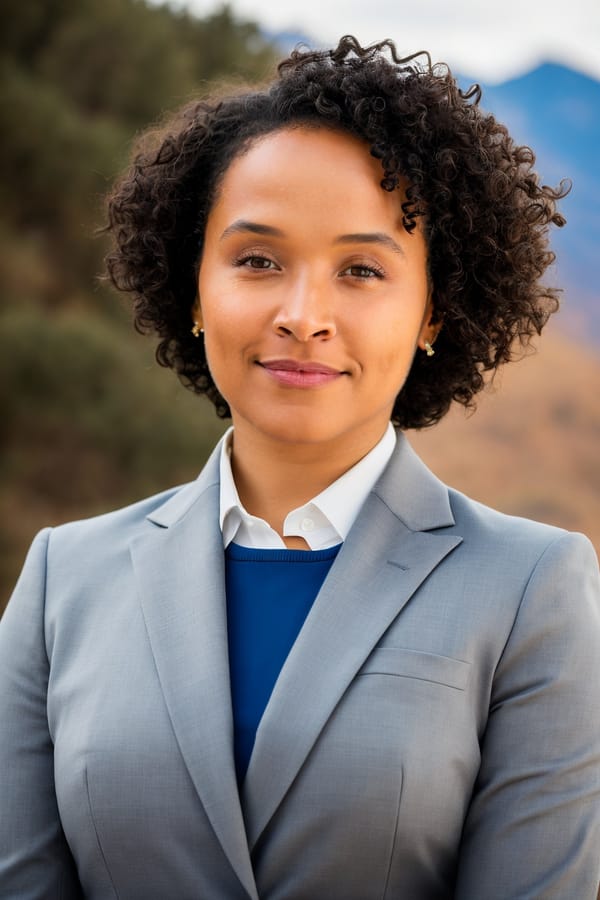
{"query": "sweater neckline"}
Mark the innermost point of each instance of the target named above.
(238, 553)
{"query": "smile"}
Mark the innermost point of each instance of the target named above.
(293, 373)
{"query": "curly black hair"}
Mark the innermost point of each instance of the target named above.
(486, 215)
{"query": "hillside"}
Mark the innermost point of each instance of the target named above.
(531, 448)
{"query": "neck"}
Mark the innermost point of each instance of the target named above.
(273, 477)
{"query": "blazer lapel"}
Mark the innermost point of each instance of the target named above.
(385, 558)
(180, 571)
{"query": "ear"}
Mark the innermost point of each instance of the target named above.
(197, 312)
(429, 329)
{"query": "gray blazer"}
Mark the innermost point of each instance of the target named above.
(434, 732)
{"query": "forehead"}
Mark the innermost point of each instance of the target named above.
(311, 142)
(304, 170)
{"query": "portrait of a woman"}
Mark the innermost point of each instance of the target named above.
(316, 672)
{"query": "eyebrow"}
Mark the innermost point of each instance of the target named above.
(243, 225)
(371, 237)
(367, 237)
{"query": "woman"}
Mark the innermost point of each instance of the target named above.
(316, 672)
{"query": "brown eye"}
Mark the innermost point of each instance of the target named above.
(363, 272)
(262, 263)
(259, 262)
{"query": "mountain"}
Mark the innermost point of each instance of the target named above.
(557, 112)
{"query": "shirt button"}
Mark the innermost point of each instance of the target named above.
(307, 524)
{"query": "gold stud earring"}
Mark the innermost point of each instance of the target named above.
(197, 330)
(429, 349)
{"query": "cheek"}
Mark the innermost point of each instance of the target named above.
(393, 349)
(229, 311)
(393, 371)
(391, 362)
(220, 355)
(228, 342)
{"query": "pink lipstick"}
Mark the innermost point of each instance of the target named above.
(294, 373)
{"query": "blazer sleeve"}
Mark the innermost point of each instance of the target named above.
(533, 825)
(35, 862)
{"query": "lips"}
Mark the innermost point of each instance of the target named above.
(295, 373)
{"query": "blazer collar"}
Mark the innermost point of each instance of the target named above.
(412, 492)
(407, 486)
(185, 498)
(390, 550)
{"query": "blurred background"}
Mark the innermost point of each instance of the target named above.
(88, 421)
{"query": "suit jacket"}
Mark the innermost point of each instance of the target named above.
(434, 732)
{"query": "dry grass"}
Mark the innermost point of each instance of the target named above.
(532, 447)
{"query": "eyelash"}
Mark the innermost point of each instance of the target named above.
(374, 271)
(244, 260)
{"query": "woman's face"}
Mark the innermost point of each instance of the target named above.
(313, 296)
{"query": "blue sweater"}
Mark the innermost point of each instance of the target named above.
(269, 595)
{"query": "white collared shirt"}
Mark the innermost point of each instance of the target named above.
(323, 522)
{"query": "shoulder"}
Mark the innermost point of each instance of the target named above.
(516, 544)
(112, 529)
(127, 518)
(100, 540)
(86, 551)
(474, 517)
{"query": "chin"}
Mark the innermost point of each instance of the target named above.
(300, 428)
(300, 435)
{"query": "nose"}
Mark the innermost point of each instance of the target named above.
(306, 312)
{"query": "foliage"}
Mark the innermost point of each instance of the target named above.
(79, 78)
(79, 384)
(89, 421)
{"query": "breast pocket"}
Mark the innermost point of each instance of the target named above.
(419, 664)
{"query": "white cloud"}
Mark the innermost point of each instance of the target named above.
(489, 41)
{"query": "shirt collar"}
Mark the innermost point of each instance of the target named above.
(323, 522)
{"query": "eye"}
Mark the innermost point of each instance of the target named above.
(362, 272)
(255, 261)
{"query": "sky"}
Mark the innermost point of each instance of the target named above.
(490, 41)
